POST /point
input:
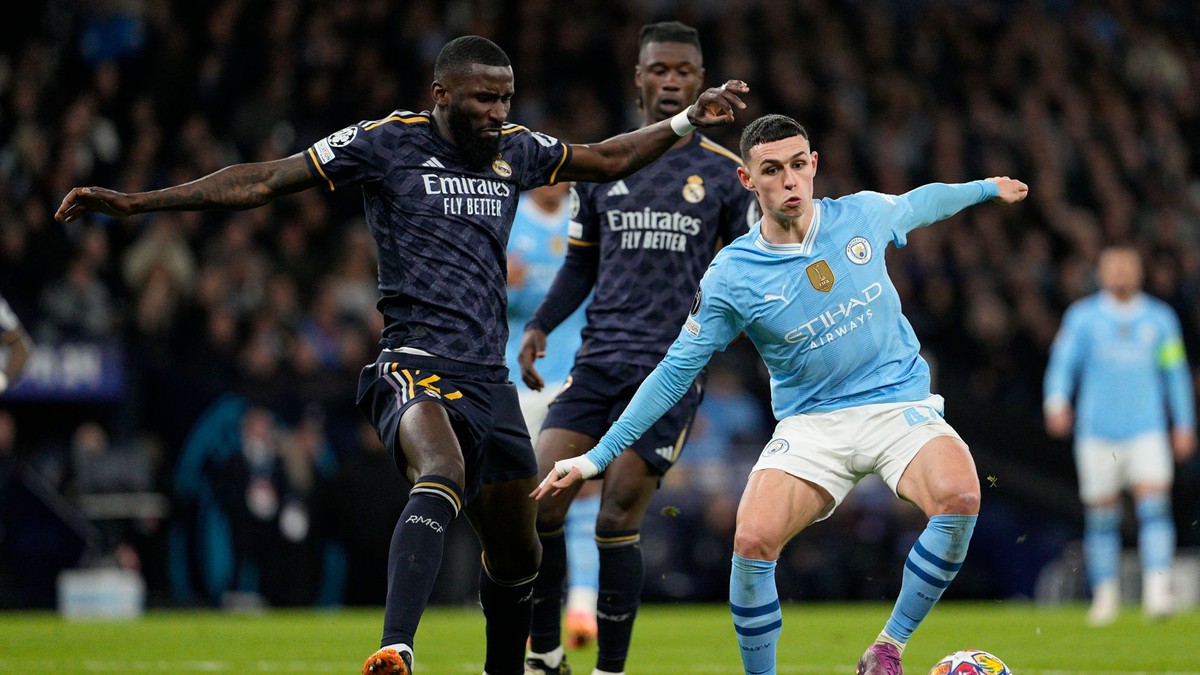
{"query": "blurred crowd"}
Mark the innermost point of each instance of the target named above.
(257, 322)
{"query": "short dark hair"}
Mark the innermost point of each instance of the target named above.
(463, 52)
(669, 31)
(768, 129)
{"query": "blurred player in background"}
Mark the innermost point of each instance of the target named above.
(15, 340)
(642, 243)
(440, 191)
(1119, 356)
(536, 249)
(810, 288)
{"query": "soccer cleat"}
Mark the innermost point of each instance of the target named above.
(534, 666)
(1156, 596)
(880, 658)
(1106, 602)
(388, 661)
(581, 628)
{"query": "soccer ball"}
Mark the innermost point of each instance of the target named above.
(970, 662)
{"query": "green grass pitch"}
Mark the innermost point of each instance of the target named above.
(818, 639)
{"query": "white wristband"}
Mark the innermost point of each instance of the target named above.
(680, 124)
(3, 382)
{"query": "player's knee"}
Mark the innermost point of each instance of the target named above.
(551, 515)
(749, 542)
(514, 562)
(609, 520)
(963, 502)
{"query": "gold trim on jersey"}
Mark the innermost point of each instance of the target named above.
(554, 175)
(407, 119)
(579, 242)
(713, 147)
(317, 165)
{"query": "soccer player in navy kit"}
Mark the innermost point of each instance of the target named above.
(440, 189)
(642, 242)
(809, 286)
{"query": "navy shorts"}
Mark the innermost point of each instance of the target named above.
(593, 397)
(481, 402)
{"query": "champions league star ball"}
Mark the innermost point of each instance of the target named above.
(970, 662)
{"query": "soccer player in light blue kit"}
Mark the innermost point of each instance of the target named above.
(537, 247)
(809, 286)
(1120, 355)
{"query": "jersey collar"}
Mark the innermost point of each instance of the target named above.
(805, 247)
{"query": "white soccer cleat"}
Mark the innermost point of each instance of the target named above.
(1157, 603)
(1106, 602)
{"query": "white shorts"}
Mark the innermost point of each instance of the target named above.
(1107, 467)
(535, 405)
(837, 449)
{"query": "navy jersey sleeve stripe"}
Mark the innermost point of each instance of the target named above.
(312, 157)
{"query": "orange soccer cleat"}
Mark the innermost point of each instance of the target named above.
(388, 661)
(581, 628)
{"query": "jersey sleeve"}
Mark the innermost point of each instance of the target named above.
(1172, 360)
(894, 216)
(1066, 359)
(712, 310)
(536, 158)
(358, 154)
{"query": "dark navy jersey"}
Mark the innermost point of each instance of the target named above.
(440, 225)
(657, 231)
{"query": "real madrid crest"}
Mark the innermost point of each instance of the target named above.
(693, 189)
(820, 276)
(501, 167)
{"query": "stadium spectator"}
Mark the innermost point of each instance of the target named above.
(1118, 377)
(849, 387)
(454, 326)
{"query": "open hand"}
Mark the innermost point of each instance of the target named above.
(715, 106)
(80, 201)
(533, 347)
(566, 472)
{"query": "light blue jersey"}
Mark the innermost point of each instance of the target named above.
(539, 240)
(1124, 363)
(823, 313)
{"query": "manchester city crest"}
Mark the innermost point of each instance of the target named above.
(501, 167)
(859, 251)
(693, 189)
(776, 446)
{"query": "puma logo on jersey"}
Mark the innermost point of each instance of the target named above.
(768, 297)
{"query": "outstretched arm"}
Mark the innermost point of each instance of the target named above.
(241, 186)
(621, 155)
(662, 389)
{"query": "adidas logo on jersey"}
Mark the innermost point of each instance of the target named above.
(667, 452)
(618, 189)
(433, 162)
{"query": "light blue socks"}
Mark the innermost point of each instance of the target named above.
(754, 602)
(929, 569)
